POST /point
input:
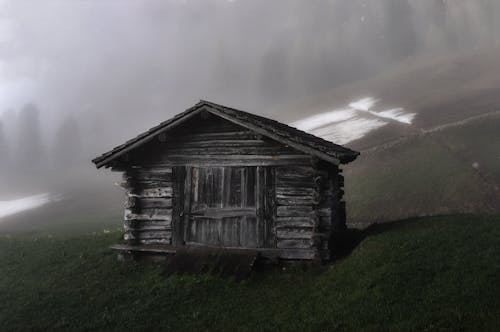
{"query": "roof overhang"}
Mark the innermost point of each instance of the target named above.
(218, 110)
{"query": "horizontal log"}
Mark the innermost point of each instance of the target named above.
(166, 248)
(241, 135)
(165, 174)
(294, 233)
(154, 203)
(295, 243)
(155, 241)
(294, 200)
(160, 192)
(294, 183)
(237, 161)
(226, 151)
(149, 214)
(220, 143)
(151, 184)
(294, 211)
(292, 191)
(153, 234)
(295, 176)
(290, 171)
(295, 222)
(148, 225)
(144, 168)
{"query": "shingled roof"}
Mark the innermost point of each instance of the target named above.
(273, 129)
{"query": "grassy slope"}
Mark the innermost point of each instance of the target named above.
(428, 175)
(437, 273)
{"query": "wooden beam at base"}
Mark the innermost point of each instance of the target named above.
(308, 254)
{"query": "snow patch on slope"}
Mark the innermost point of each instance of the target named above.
(348, 124)
(321, 119)
(348, 131)
(26, 203)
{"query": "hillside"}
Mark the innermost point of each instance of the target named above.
(439, 90)
(438, 273)
(453, 170)
(445, 160)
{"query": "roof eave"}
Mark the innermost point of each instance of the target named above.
(108, 157)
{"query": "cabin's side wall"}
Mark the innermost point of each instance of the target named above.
(148, 210)
(330, 208)
(296, 219)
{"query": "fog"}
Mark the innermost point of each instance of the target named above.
(96, 73)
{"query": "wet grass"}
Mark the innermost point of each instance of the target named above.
(440, 273)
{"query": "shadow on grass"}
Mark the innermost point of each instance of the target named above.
(345, 241)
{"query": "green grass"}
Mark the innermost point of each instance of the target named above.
(440, 273)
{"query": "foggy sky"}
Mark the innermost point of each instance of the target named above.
(122, 66)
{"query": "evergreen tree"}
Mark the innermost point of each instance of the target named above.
(29, 148)
(67, 144)
(4, 150)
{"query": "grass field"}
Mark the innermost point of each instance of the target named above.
(440, 273)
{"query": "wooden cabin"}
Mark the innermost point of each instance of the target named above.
(218, 177)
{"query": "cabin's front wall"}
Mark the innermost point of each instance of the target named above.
(301, 203)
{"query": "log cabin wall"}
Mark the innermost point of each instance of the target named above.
(148, 209)
(330, 218)
(296, 219)
(301, 194)
(212, 142)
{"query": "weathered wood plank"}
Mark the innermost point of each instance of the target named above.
(226, 151)
(294, 211)
(295, 222)
(149, 184)
(296, 243)
(154, 203)
(153, 234)
(155, 241)
(237, 160)
(265, 252)
(294, 233)
(138, 175)
(295, 184)
(149, 214)
(148, 225)
(158, 192)
(294, 200)
(289, 171)
(219, 143)
(293, 191)
(216, 135)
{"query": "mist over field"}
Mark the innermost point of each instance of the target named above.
(80, 77)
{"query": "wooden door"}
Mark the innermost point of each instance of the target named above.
(225, 206)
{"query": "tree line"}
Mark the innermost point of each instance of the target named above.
(23, 148)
